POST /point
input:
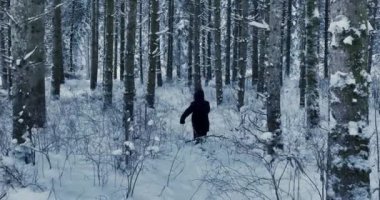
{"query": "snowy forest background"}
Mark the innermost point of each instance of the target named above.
(92, 92)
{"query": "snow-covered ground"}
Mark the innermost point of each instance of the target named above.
(81, 142)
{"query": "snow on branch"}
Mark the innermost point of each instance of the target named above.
(262, 25)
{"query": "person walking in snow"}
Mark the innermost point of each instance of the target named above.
(199, 109)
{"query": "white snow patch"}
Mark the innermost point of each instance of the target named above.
(342, 79)
(130, 145)
(348, 40)
(117, 152)
(353, 128)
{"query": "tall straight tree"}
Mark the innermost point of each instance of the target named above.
(235, 56)
(169, 67)
(312, 95)
(348, 160)
(243, 36)
(122, 38)
(153, 53)
(273, 76)
(57, 50)
(263, 42)
(326, 39)
(129, 82)
(302, 49)
(29, 55)
(196, 29)
(289, 24)
(255, 45)
(94, 44)
(3, 47)
(209, 44)
(218, 54)
(228, 44)
(116, 39)
(372, 7)
(107, 72)
(158, 49)
(140, 42)
(190, 43)
(72, 36)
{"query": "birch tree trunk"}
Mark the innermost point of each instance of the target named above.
(349, 167)
(190, 43)
(263, 37)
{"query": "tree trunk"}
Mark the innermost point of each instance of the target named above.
(349, 168)
(140, 44)
(72, 35)
(326, 40)
(302, 56)
(153, 53)
(243, 37)
(122, 56)
(289, 38)
(312, 95)
(255, 47)
(236, 47)
(373, 4)
(129, 83)
(273, 76)
(197, 66)
(116, 39)
(228, 44)
(190, 44)
(107, 76)
(3, 48)
(29, 90)
(218, 55)
(94, 44)
(263, 39)
(57, 51)
(209, 44)
(169, 67)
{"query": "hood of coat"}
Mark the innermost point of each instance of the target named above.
(199, 95)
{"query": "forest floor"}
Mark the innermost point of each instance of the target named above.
(81, 144)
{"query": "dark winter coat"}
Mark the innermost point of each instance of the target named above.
(199, 109)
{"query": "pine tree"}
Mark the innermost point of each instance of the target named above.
(153, 53)
(107, 72)
(197, 66)
(122, 38)
(169, 67)
(57, 50)
(274, 76)
(348, 160)
(243, 36)
(94, 44)
(218, 54)
(312, 95)
(228, 44)
(129, 82)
